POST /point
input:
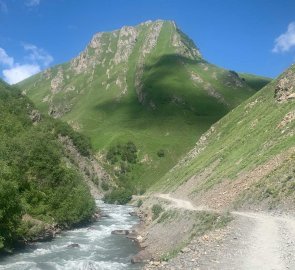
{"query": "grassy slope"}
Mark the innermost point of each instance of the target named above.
(248, 136)
(108, 117)
(256, 82)
(35, 179)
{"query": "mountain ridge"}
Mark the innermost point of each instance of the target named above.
(147, 84)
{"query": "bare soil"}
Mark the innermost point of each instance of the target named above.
(254, 240)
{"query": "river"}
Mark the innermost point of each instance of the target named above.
(98, 248)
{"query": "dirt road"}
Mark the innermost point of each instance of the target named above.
(255, 241)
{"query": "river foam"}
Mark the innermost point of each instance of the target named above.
(97, 247)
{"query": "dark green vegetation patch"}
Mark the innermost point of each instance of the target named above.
(35, 180)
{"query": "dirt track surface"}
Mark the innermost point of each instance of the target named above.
(253, 241)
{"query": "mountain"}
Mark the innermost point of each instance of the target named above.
(42, 186)
(147, 85)
(247, 158)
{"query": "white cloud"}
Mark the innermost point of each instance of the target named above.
(38, 55)
(32, 3)
(20, 72)
(35, 59)
(5, 59)
(286, 41)
(3, 7)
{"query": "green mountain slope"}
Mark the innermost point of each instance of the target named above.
(40, 189)
(247, 158)
(146, 84)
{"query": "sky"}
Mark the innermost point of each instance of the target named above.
(253, 36)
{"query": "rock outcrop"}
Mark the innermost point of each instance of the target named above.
(285, 87)
(92, 172)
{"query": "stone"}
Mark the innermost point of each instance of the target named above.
(185, 250)
(139, 238)
(142, 256)
(56, 83)
(285, 89)
(125, 44)
(73, 246)
(35, 116)
(122, 232)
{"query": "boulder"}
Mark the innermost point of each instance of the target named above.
(121, 232)
(73, 246)
(142, 256)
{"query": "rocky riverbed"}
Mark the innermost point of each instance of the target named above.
(93, 247)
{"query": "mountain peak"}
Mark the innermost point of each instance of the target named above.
(147, 84)
(117, 46)
(118, 61)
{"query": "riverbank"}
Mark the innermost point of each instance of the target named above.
(167, 229)
(92, 247)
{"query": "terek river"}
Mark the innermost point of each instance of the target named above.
(96, 247)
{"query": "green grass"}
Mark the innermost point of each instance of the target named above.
(167, 216)
(183, 109)
(157, 209)
(255, 82)
(276, 188)
(245, 138)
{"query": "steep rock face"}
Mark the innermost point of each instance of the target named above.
(93, 173)
(125, 44)
(184, 45)
(129, 82)
(285, 87)
(111, 52)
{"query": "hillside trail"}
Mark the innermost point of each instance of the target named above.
(255, 241)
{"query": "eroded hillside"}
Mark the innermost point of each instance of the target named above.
(247, 158)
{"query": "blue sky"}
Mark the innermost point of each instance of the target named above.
(254, 36)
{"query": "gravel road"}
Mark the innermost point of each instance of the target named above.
(254, 241)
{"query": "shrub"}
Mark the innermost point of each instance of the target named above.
(82, 142)
(139, 203)
(161, 153)
(105, 186)
(126, 152)
(157, 210)
(34, 176)
(118, 196)
(10, 212)
(124, 167)
(289, 177)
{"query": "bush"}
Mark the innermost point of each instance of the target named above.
(105, 186)
(10, 212)
(34, 176)
(157, 210)
(126, 152)
(82, 142)
(118, 196)
(161, 153)
(139, 203)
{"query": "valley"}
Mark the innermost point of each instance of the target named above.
(146, 84)
(139, 153)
